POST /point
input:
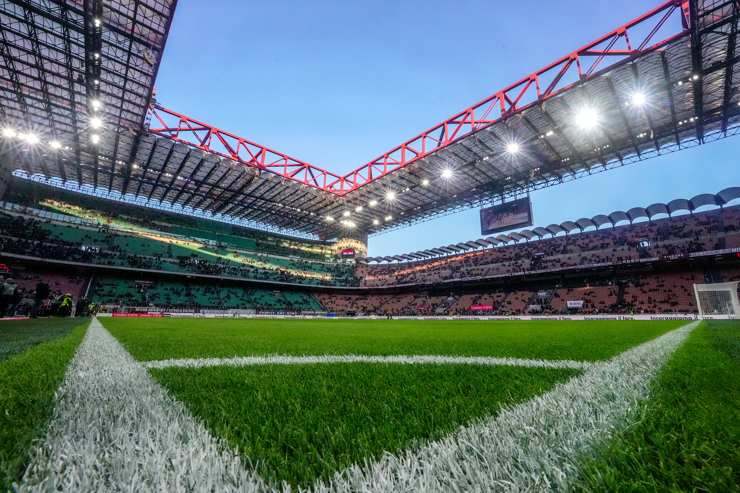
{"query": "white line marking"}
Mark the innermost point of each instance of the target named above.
(534, 446)
(278, 359)
(115, 429)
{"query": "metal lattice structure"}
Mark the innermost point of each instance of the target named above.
(682, 55)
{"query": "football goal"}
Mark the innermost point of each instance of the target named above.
(717, 300)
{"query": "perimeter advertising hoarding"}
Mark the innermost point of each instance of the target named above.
(503, 217)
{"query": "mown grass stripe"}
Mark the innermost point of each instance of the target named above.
(28, 382)
(687, 435)
(530, 447)
(115, 429)
(279, 359)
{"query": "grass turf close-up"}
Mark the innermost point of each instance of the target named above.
(28, 382)
(198, 338)
(299, 423)
(18, 335)
(687, 436)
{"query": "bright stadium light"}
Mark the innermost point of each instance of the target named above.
(346, 213)
(55, 144)
(329, 219)
(372, 203)
(375, 222)
(9, 133)
(96, 104)
(447, 173)
(95, 138)
(587, 118)
(388, 218)
(30, 138)
(358, 208)
(425, 182)
(513, 148)
(390, 196)
(638, 99)
(96, 122)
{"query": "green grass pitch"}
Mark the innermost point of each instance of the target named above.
(155, 339)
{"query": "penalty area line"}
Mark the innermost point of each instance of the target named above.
(537, 445)
(279, 359)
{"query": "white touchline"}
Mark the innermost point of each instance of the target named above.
(534, 446)
(115, 429)
(279, 359)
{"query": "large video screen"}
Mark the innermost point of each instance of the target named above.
(510, 215)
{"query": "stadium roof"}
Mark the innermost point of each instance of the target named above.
(664, 81)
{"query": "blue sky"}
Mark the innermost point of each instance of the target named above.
(336, 83)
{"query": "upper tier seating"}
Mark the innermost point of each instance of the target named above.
(129, 245)
(679, 235)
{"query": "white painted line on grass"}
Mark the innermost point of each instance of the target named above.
(115, 429)
(534, 446)
(278, 359)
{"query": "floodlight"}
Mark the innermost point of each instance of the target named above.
(96, 122)
(388, 218)
(95, 138)
(329, 219)
(346, 213)
(30, 138)
(9, 133)
(638, 99)
(425, 182)
(375, 222)
(390, 196)
(96, 104)
(55, 144)
(587, 118)
(358, 208)
(513, 148)
(447, 173)
(372, 203)
(97, 22)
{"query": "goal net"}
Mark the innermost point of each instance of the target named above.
(717, 300)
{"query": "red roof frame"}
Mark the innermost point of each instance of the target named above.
(618, 46)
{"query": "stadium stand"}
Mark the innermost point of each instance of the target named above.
(118, 259)
(672, 236)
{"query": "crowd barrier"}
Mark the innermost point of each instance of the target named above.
(331, 316)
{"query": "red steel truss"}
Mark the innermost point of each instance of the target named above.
(647, 33)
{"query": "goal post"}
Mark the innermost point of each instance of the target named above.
(717, 300)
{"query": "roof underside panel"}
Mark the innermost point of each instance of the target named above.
(682, 55)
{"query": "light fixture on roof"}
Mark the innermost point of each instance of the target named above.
(372, 203)
(375, 222)
(638, 99)
(447, 173)
(329, 219)
(97, 22)
(695, 77)
(346, 213)
(587, 118)
(96, 122)
(96, 104)
(95, 138)
(388, 218)
(425, 182)
(358, 208)
(9, 132)
(513, 148)
(55, 144)
(348, 224)
(29, 138)
(390, 196)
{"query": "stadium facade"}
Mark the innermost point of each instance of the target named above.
(112, 197)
